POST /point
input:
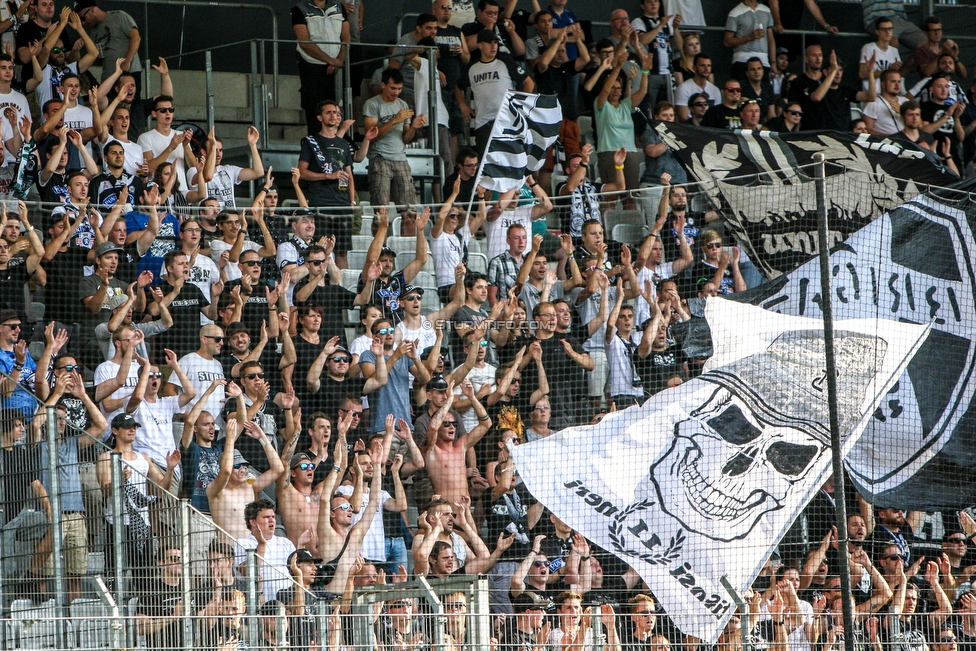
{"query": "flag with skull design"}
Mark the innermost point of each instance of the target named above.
(703, 480)
(762, 183)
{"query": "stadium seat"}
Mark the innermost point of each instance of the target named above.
(474, 246)
(350, 277)
(361, 242)
(632, 234)
(356, 259)
(478, 262)
(402, 244)
(405, 258)
(367, 226)
(90, 618)
(586, 130)
(427, 280)
(614, 216)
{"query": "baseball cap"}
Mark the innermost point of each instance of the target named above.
(487, 36)
(530, 601)
(84, 4)
(412, 289)
(236, 327)
(782, 50)
(387, 251)
(296, 459)
(303, 556)
(124, 421)
(106, 247)
(298, 213)
(437, 383)
(117, 301)
(7, 315)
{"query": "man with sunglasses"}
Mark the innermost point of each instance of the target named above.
(202, 368)
(163, 145)
(697, 108)
(185, 302)
(329, 389)
(267, 407)
(263, 299)
(156, 413)
(317, 288)
(54, 54)
(893, 526)
(17, 364)
(726, 114)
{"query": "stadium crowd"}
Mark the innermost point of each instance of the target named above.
(206, 341)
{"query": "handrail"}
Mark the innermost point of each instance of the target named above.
(210, 3)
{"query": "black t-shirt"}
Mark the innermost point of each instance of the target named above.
(334, 299)
(386, 294)
(765, 96)
(933, 112)
(832, 112)
(505, 47)
(12, 281)
(331, 394)
(61, 291)
(305, 353)
(183, 337)
(162, 600)
(800, 90)
(657, 367)
(448, 62)
(567, 383)
(721, 116)
(21, 466)
(256, 309)
(559, 81)
(105, 189)
(56, 188)
(271, 418)
(465, 193)
(331, 155)
(510, 513)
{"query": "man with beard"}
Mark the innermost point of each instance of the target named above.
(186, 303)
(106, 188)
(892, 526)
(921, 92)
(96, 292)
(677, 198)
(54, 54)
(802, 86)
(34, 31)
(528, 629)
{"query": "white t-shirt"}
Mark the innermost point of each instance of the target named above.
(447, 253)
(217, 247)
(153, 142)
(689, 88)
(478, 377)
(622, 366)
(885, 58)
(155, 438)
(19, 102)
(221, 187)
(374, 544)
(642, 311)
(886, 119)
(80, 118)
(46, 90)
(134, 158)
(497, 231)
(201, 373)
(274, 570)
(105, 372)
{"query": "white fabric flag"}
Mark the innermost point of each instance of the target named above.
(525, 127)
(704, 479)
(421, 91)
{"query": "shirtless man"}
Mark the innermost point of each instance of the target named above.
(230, 492)
(298, 498)
(437, 525)
(445, 453)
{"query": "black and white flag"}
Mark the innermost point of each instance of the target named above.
(915, 264)
(525, 127)
(703, 480)
(763, 183)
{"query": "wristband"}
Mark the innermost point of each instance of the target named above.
(584, 558)
(18, 366)
(618, 167)
(779, 623)
(265, 443)
(337, 468)
(584, 165)
(483, 418)
(645, 72)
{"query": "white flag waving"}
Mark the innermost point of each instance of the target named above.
(525, 127)
(704, 479)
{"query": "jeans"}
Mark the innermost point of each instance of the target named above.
(396, 554)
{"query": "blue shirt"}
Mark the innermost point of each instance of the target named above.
(69, 473)
(394, 398)
(565, 19)
(21, 399)
(166, 240)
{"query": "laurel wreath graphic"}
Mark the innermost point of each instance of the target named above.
(619, 541)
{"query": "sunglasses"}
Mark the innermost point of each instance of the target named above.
(481, 342)
(58, 50)
(237, 466)
(251, 263)
(157, 375)
(306, 466)
(343, 507)
(540, 563)
(316, 262)
(733, 90)
(412, 297)
(386, 331)
(71, 367)
(12, 326)
(166, 109)
(449, 423)
(793, 112)
(251, 376)
(952, 540)
(217, 339)
(895, 557)
(340, 359)
(355, 414)
(699, 103)
(714, 245)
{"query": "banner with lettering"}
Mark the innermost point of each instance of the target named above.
(763, 184)
(703, 480)
(915, 264)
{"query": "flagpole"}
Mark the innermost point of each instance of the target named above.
(837, 458)
(481, 163)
